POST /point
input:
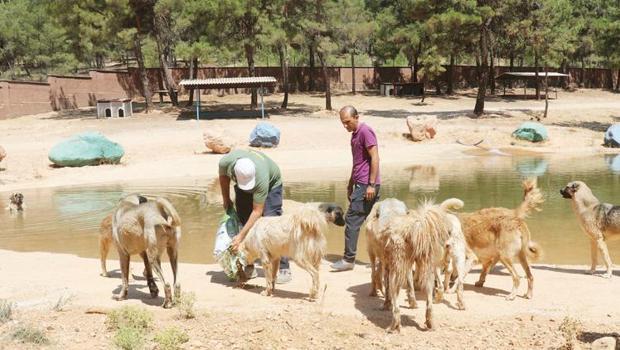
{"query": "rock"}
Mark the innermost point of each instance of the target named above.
(2, 153)
(422, 127)
(605, 343)
(216, 143)
(89, 148)
(265, 135)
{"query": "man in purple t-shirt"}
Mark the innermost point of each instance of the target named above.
(363, 188)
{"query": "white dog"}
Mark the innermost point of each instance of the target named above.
(298, 235)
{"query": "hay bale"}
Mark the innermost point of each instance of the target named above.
(216, 143)
(422, 127)
(2, 153)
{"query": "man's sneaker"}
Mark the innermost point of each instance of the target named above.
(342, 265)
(284, 276)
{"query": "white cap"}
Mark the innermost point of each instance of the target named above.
(245, 172)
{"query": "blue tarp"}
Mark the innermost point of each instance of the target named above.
(531, 131)
(265, 135)
(89, 148)
(612, 136)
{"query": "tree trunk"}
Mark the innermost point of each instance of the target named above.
(563, 82)
(618, 81)
(582, 78)
(536, 82)
(311, 64)
(492, 72)
(193, 74)
(450, 90)
(144, 80)
(353, 72)
(170, 84)
(163, 49)
(482, 77)
(416, 67)
(328, 92)
(546, 93)
(284, 63)
(512, 65)
(249, 55)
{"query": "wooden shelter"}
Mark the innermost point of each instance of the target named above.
(225, 83)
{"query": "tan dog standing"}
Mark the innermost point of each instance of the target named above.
(147, 228)
(501, 234)
(600, 221)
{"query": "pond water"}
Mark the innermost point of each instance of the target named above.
(67, 220)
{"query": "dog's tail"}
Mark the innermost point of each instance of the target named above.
(169, 213)
(451, 204)
(532, 249)
(308, 238)
(532, 199)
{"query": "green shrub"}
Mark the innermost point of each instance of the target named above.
(185, 304)
(6, 310)
(129, 317)
(129, 338)
(171, 339)
(29, 334)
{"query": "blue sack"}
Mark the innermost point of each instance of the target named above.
(265, 135)
(531, 131)
(89, 148)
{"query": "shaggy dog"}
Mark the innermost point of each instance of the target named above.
(456, 259)
(298, 235)
(501, 234)
(416, 238)
(600, 221)
(105, 232)
(333, 212)
(147, 228)
(375, 240)
(16, 202)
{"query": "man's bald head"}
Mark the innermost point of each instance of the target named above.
(349, 118)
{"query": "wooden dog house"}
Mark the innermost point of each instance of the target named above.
(117, 108)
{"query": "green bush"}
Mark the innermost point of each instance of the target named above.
(171, 339)
(185, 304)
(129, 317)
(6, 310)
(29, 334)
(129, 338)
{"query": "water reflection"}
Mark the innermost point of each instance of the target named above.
(67, 219)
(613, 162)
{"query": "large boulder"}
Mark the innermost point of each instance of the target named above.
(422, 127)
(89, 148)
(612, 136)
(216, 142)
(265, 135)
(531, 131)
(2, 153)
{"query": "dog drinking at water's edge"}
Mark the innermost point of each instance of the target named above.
(16, 202)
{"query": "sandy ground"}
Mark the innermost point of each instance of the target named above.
(166, 143)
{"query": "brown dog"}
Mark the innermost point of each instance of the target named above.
(147, 228)
(501, 234)
(600, 221)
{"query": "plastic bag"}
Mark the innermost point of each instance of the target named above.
(231, 262)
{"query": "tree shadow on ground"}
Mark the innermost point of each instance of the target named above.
(590, 125)
(445, 115)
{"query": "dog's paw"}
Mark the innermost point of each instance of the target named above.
(511, 296)
(119, 297)
(266, 293)
(104, 274)
(460, 306)
(479, 284)
(394, 330)
(590, 272)
(167, 304)
(528, 295)
(607, 274)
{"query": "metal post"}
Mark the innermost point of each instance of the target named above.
(262, 103)
(197, 104)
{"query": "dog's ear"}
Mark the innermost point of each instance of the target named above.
(575, 186)
(141, 199)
